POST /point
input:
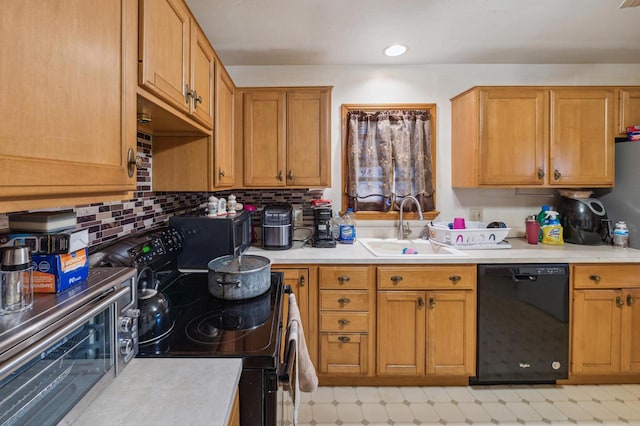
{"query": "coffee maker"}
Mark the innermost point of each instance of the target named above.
(322, 237)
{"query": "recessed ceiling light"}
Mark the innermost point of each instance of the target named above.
(395, 50)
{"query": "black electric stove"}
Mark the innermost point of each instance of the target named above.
(206, 326)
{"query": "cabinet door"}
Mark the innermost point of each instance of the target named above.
(450, 333)
(164, 50)
(631, 331)
(401, 333)
(343, 354)
(581, 150)
(224, 170)
(202, 77)
(597, 318)
(308, 160)
(264, 138)
(68, 101)
(513, 136)
(629, 109)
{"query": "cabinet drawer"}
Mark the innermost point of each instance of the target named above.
(339, 277)
(427, 277)
(344, 321)
(606, 276)
(344, 300)
(343, 353)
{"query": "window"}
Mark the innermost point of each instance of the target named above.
(388, 154)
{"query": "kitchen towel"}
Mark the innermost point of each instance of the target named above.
(294, 378)
(308, 376)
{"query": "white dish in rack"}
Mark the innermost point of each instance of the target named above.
(476, 233)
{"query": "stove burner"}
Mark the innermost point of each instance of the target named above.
(220, 326)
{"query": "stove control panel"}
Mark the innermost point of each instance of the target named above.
(163, 244)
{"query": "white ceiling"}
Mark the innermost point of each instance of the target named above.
(341, 32)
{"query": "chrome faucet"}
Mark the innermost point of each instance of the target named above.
(403, 229)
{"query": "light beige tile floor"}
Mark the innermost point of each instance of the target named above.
(478, 405)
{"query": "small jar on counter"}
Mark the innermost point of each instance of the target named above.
(621, 235)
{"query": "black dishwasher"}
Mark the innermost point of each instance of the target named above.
(523, 323)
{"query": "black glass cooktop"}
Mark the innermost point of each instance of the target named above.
(206, 326)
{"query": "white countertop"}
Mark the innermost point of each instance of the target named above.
(521, 252)
(168, 391)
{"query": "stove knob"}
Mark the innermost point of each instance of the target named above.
(133, 313)
(126, 323)
(126, 346)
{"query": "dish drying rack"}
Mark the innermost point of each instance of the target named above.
(476, 236)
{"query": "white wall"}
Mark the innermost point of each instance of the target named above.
(435, 84)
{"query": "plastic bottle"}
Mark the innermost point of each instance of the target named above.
(621, 235)
(542, 219)
(552, 231)
(348, 228)
(335, 226)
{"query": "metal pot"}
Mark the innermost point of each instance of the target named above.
(239, 277)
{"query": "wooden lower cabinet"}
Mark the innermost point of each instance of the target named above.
(426, 320)
(606, 320)
(346, 320)
(426, 332)
(302, 280)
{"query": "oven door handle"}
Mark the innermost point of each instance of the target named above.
(291, 355)
(84, 314)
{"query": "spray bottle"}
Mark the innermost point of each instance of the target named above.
(552, 232)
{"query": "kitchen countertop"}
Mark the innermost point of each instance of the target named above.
(520, 252)
(168, 391)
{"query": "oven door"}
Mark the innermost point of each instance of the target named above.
(289, 389)
(59, 374)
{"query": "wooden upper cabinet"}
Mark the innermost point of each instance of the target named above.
(224, 169)
(68, 102)
(513, 133)
(628, 109)
(286, 137)
(176, 61)
(582, 137)
(533, 137)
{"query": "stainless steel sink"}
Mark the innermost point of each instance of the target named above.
(416, 248)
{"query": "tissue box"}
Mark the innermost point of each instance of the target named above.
(54, 273)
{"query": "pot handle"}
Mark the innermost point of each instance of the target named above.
(223, 283)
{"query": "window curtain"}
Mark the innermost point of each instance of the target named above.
(389, 157)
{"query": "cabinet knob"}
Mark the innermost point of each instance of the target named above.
(188, 94)
(343, 279)
(556, 174)
(432, 303)
(196, 99)
(133, 162)
(455, 279)
(280, 176)
(540, 173)
(396, 279)
(344, 339)
(594, 278)
(220, 172)
(290, 175)
(630, 300)
(302, 281)
(420, 303)
(619, 302)
(344, 322)
(344, 300)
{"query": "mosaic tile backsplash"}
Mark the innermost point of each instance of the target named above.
(148, 209)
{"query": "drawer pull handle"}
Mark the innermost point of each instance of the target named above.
(557, 174)
(630, 300)
(432, 303)
(396, 279)
(344, 339)
(344, 322)
(344, 300)
(301, 280)
(455, 279)
(619, 302)
(540, 173)
(343, 279)
(420, 303)
(595, 278)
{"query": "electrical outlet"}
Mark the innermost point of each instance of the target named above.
(475, 214)
(297, 217)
